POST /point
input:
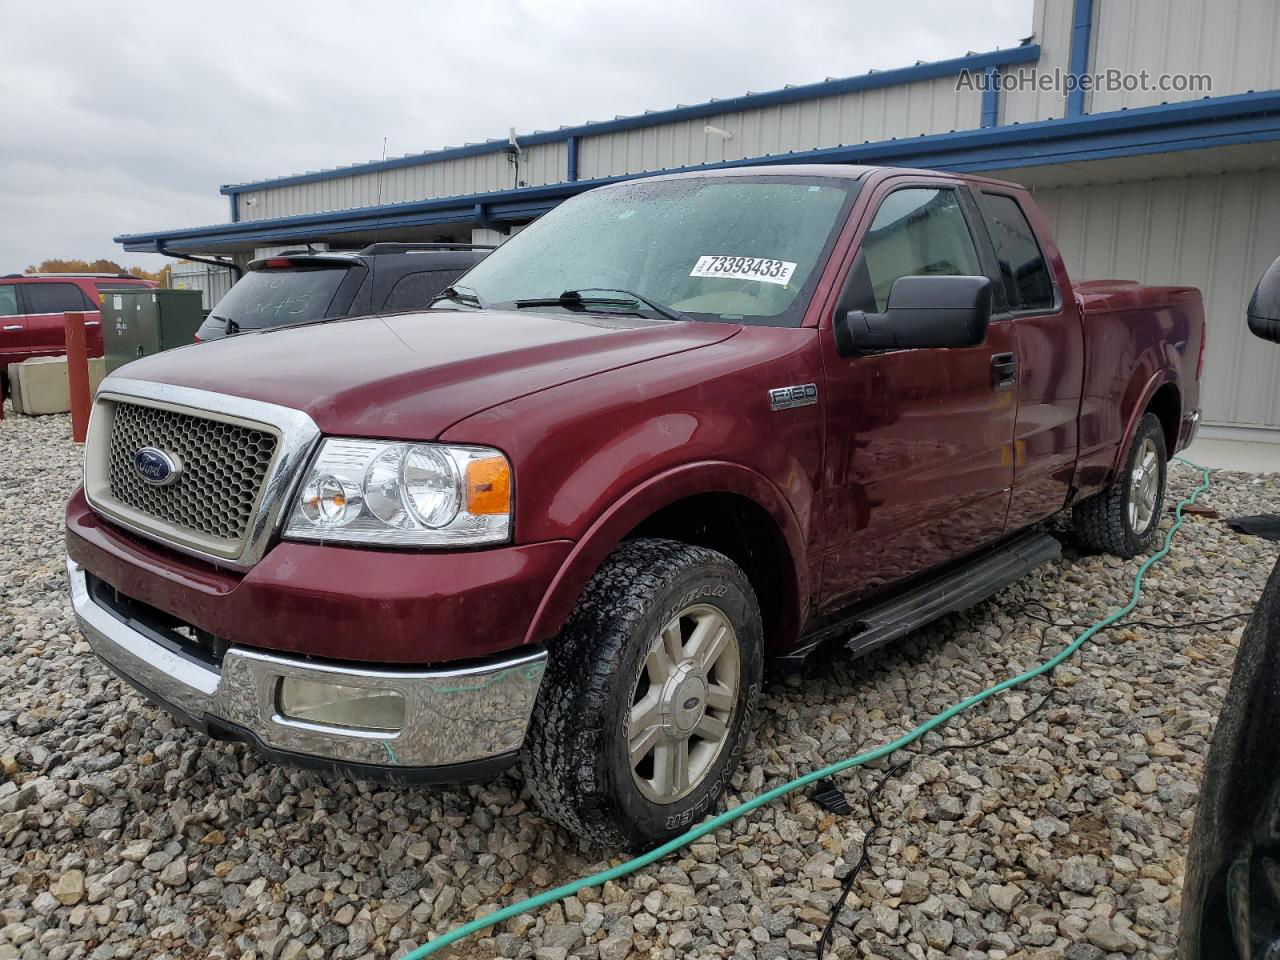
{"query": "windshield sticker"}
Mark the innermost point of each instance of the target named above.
(745, 268)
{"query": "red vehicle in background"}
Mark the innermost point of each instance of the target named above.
(32, 305)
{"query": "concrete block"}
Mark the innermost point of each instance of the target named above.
(39, 385)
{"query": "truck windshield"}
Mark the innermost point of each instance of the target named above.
(736, 249)
(273, 298)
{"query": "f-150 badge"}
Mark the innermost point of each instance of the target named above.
(801, 395)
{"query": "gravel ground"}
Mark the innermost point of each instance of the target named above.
(122, 835)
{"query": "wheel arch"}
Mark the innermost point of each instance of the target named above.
(720, 505)
(1159, 395)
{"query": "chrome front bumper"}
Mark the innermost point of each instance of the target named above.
(453, 718)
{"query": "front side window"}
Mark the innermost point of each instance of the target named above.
(918, 231)
(56, 298)
(1027, 280)
(735, 249)
(8, 300)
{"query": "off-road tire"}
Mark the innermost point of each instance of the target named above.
(575, 755)
(1102, 522)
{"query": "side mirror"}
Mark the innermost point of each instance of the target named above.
(1264, 308)
(928, 311)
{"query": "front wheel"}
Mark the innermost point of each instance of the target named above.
(1125, 518)
(649, 695)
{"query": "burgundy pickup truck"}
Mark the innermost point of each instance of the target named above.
(678, 428)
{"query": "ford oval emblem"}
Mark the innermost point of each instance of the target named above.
(156, 466)
(691, 703)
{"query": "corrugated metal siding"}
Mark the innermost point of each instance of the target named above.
(908, 110)
(1051, 24)
(212, 282)
(541, 164)
(1234, 41)
(1212, 232)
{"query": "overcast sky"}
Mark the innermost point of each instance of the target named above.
(123, 118)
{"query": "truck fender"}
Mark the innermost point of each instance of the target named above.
(1136, 411)
(645, 499)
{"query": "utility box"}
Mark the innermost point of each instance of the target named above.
(138, 323)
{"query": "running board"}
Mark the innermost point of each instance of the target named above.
(957, 588)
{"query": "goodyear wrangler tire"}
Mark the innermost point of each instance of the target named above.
(649, 695)
(1124, 519)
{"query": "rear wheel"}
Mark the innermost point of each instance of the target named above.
(1125, 518)
(649, 695)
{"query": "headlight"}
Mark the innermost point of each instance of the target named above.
(404, 494)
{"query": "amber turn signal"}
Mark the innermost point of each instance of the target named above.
(488, 486)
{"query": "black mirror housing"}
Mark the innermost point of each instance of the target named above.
(922, 312)
(1264, 307)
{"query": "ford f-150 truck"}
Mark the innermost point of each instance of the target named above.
(678, 428)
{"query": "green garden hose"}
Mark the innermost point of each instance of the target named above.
(715, 823)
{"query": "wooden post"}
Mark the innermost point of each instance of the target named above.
(77, 374)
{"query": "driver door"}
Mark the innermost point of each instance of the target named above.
(919, 442)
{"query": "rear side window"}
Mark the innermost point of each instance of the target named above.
(8, 300)
(273, 298)
(414, 291)
(56, 298)
(1027, 280)
(918, 231)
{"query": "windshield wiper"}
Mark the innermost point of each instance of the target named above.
(461, 295)
(230, 327)
(574, 299)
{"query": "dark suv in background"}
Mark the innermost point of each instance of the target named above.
(300, 286)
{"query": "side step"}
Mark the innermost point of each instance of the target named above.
(957, 588)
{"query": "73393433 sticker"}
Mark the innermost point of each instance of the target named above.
(744, 268)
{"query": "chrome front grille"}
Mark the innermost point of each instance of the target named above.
(238, 462)
(223, 468)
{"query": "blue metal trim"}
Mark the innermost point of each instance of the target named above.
(571, 167)
(235, 208)
(1196, 124)
(1078, 64)
(867, 81)
(990, 97)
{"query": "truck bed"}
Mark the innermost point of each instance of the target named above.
(1100, 296)
(1133, 332)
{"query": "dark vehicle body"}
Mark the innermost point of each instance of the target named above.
(1231, 891)
(302, 287)
(32, 308)
(830, 462)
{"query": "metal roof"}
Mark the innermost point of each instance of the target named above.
(1190, 125)
(974, 62)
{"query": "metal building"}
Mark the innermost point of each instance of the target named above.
(212, 282)
(1142, 180)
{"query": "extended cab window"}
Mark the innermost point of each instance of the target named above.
(743, 249)
(1027, 280)
(8, 300)
(918, 231)
(56, 298)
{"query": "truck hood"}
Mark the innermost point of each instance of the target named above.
(412, 375)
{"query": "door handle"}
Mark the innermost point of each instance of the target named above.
(92, 323)
(13, 326)
(1004, 370)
